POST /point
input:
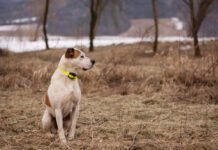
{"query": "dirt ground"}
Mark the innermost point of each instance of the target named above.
(131, 99)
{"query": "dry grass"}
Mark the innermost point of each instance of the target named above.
(166, 101)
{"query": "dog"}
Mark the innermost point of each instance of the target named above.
(63, 96)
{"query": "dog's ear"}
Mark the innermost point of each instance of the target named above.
(72, 53)
(69, 53)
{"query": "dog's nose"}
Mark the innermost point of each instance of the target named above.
(93, 62)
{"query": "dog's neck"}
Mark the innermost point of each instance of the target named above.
(64, 65)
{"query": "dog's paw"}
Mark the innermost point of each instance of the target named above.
(50, 135)
(71, 135)
(70, 138)
(65, 144)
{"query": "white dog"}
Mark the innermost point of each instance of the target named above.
(63, 96)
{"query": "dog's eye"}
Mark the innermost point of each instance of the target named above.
(82, 56)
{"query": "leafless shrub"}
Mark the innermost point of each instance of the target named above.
(4, 53)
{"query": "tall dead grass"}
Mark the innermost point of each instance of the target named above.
(170, 99)
(120, 70)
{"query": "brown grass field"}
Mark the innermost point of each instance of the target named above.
(131, 99)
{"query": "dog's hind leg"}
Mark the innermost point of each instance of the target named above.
(54, 126)
(46, 120)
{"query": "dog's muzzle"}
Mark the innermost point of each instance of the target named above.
(93, 62)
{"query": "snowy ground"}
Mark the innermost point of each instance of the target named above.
(13, 38)
(24, 44)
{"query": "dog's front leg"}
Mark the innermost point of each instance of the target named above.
(59, 120)
(74, 120)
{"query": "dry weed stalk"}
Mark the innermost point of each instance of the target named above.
(131, 146)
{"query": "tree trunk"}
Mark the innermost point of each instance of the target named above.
(91, 37)
(194, 29)
(154, 9)
(37, 29)
(96, 9)
(45, 23)
(196, 45)
(92, 27)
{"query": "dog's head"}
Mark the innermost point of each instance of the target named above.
(77, 58)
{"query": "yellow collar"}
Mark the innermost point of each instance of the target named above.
(70, 75)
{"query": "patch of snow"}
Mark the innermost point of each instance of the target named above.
(186, 47)
(22, 20)
(8, 28)
(149, 51)
(24, 44)
(178, 23)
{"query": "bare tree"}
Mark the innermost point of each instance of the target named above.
(37, 29)
(198, 10)
(96, 9)
(154, 9)
(45, 23)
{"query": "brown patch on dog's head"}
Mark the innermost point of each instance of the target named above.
(72, 53)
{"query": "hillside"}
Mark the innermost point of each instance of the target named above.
(71, 17)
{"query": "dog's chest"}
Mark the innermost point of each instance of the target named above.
(67, 107)
(61, 88)
(76, 90)
(64, 98)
